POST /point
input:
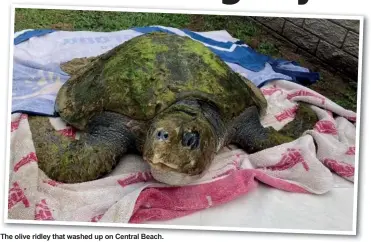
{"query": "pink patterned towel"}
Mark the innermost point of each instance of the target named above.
(131, 195)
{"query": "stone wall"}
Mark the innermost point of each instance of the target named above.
(334, 42)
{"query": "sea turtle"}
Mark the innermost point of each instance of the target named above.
(166, 97)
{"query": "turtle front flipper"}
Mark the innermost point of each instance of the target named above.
(248, 132)
(93, 155)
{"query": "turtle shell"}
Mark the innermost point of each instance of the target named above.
(143, 76)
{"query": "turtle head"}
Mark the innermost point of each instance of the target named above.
(180, 142)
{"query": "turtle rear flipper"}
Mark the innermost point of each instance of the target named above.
(77, 65)
(305, 119)
(92, 156)
(248, 132)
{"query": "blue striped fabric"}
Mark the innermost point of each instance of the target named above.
(31, 33)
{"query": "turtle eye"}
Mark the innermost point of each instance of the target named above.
(191, 139)
(162, 135)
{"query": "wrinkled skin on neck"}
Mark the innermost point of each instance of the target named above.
(181, 139)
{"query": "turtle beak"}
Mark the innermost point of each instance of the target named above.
(158, 163)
